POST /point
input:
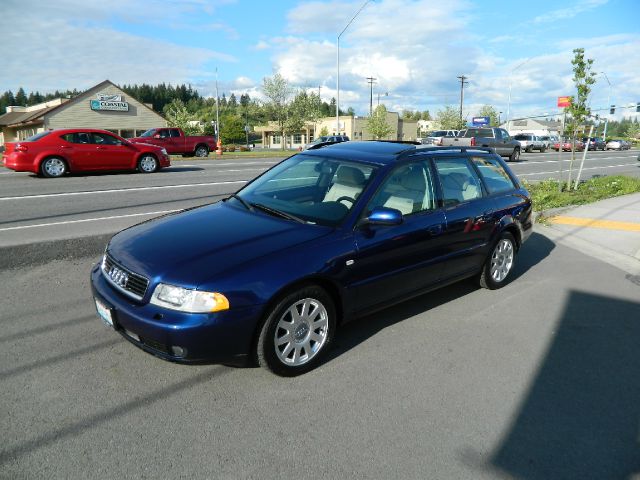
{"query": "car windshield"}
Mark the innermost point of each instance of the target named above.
(320, 140)
(522, 137)
(149, 133)
(310, 188)
(37, 136)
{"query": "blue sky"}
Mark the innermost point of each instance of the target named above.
(415, 48)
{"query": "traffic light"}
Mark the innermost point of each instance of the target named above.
(613, 110)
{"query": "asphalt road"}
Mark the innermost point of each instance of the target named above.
(540, 379)
(35, 209)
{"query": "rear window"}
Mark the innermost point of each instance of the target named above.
(522, 137)
(479, 132)
(495, 176)
(439, 133)
(37, 136)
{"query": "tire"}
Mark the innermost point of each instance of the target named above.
(543, 149)
(148, 164)
(53, 167)
(201, 151)
(515, 155)
(499, 263)
(309, 335)
(529, 149)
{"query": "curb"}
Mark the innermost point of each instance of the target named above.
(32, 254)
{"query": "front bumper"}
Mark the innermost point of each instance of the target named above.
(221, 337)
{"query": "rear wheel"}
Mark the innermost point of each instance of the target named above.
(53, 167)
(543, 149)
(500, 263)
(201, 151)
(148, 164)
(297, 332)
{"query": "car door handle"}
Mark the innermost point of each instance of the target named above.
(65, 146)
(99, 148)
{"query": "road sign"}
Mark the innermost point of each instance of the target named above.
(480, 121)
(564, 101)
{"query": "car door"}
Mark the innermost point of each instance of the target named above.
(396, 261)
(110, 152)
(469, 214)
(78, 149)
(175, 143)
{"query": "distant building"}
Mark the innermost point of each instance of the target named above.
(533, 126)
(354, 127)
(104, 106)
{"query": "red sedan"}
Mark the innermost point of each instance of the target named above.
(566, 146)
(56, 152)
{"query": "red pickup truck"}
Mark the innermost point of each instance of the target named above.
(175, 142)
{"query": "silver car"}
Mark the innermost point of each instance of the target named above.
(617, 144)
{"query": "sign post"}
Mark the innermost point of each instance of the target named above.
(563, 102)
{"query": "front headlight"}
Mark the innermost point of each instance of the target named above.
(185, 300)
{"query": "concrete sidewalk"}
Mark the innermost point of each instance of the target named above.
(608, 230)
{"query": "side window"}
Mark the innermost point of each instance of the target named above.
(459, 181)
(505, 134)
(409, 188)
(495, 176)
(81, 137)
(104, 139)
(68, 137)
(174, 132)
(164, 133)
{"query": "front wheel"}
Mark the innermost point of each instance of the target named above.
(297, 332)
(148, 164)
(515, 155)
(543, 149)
(500, 263)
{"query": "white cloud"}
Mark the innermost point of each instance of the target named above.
(261, 45)
(572, 11)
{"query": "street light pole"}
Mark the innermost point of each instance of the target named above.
(338, 66)
(604, 133)
(510, 84)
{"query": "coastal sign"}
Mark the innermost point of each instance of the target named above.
(109, 102)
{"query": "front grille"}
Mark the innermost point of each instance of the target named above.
(123, 279)
(160, 347)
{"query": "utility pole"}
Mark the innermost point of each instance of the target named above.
(371, 81)
(462, 82)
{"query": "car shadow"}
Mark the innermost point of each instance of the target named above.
(581, 415)
(355, 332)
(110, 173)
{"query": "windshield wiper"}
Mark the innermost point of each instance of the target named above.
(278, 213)
(241, 200)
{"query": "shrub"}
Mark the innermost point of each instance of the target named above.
(231, 148)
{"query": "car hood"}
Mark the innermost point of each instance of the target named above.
(196, 245)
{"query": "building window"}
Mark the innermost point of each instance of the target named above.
(127, 133)
(276, 139)
(297, 138)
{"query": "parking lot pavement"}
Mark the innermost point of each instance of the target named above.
(608, 229)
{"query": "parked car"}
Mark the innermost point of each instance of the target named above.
(54, 153)
(529, 142)
(618, 144)
(325, 236)
(436, 137)
(326, 140)
(595, 143)
(565, 145)
(492, 137)
(174, 141)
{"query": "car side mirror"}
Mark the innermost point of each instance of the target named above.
(383, 216)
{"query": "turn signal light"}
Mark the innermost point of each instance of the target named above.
(473, 141)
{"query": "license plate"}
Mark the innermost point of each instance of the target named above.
(104, 312)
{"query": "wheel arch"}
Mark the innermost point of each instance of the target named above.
(201, 144)
(39, 161)
(329, 286)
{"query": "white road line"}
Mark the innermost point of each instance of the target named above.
(117, 190)
(577, 159)
(575, 170)
(68, 222)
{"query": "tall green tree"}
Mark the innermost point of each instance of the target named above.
(178, 116)
(492, 113)
(377, 123)
(579, 110)
(278, 91)
(449, 119)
